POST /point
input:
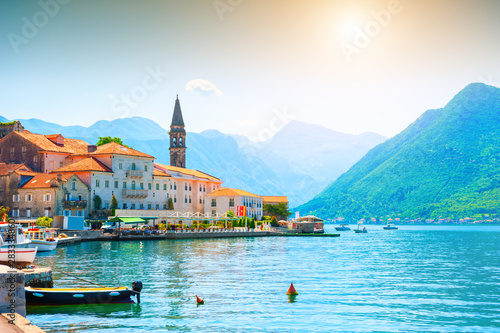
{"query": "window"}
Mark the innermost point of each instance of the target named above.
(175, 186)
(116, 184)
(23, 149)
(149, 186)
(124, 184)
(175, 198)
(73, 185)
(214, 202)
(106, 205)
(15, 213)
(189, 187)
(28, 197)
(204, 188)
(157, 207)
(15, 198)
(11, 150)
(164, 187)
(170, 186)
(200, 199)
(79, 212)
(145, 167)
(189, 199)
(47, 212)
(149, 206)
(132, 206)
(46, 197)
(174, 142)
(106, 183)
(61, 164)
(133, 166)
(97, 183)
(141, 186)
(133, 184)
(231, 202)
(28, 212)
(157, 186)
(185, 187)
(35, 159)
(200, 187)
(120, 166)
(185, 199)
(141, 206)
(180, 142)
(124, 206)
(164, 206)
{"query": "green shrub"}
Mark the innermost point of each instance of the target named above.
(44, 222)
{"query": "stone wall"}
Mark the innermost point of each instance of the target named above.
(83, 234)
(39, 277)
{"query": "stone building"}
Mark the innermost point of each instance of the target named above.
(177, 138)
(225, 199)
(8, 127)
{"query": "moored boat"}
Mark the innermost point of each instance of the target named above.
(72, 296)
(22, 257)
(42, 238)
(12, 235)
(390, 227)
(343, 227)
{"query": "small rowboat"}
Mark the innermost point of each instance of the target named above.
(22, 257)
(390, 227)
(63, 296)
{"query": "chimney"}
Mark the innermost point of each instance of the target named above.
(91, 148)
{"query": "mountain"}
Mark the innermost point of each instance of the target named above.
(444, 164)
(299, 161)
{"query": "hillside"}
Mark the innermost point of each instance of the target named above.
(444, 164)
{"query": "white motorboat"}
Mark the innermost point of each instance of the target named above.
(42, 238)
(12, 235)
(17, 257)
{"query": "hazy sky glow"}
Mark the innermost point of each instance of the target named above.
(242, 66)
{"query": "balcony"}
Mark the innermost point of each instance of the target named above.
(135, 173)
(75, 203)
(134, 193)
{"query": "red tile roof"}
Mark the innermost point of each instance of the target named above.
(118, 149)
(160, 173)
(87, 164)
(41, 180)
(272, 199)
(19, 168)
(71, 146)
(229, 192)
(189, 172)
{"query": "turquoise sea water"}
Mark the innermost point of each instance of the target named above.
(415, 279)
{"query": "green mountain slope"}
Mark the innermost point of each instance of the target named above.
(444, 164)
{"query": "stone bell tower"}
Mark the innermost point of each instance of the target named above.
(177, 138)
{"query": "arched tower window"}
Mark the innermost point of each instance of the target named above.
(174, 142)
(180, 142)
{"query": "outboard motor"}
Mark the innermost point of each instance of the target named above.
(137, 287)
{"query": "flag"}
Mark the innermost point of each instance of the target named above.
(241, 211)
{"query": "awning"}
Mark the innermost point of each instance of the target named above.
(128, 220)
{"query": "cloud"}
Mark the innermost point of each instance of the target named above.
(203, 87)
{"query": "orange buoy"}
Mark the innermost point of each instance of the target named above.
(291, 290)
(199, 300)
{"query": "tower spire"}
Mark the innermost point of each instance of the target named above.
(177, 137)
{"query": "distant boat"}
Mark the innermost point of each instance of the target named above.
(360, 231)
(22, 257)
(390, 227)
(42, 238)
(343, 227)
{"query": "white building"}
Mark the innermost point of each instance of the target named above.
(225, 199)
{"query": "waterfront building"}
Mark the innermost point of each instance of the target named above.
(225, 199)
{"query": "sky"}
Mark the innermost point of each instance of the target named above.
(244, 66)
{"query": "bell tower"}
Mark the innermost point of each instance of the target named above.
(177, 138)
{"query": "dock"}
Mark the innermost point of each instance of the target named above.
(17, 325)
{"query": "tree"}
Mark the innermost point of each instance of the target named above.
(274, 222)
(44, 222)
(114, 205)
(97, 202)
(108, 139)
(230, 214)
(170, 204)
(279, 210)
(4, 210)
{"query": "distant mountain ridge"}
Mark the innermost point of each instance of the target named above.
(444, 164)
(299, 161)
